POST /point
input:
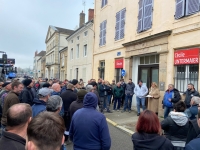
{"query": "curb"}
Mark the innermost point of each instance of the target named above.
(119, 127)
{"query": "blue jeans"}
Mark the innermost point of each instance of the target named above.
(128, 102)
(118, 102)
(167, 111)
(140, 101)
(109, 99)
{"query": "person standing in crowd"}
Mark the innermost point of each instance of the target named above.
(189, 94)
(140, 91)
(81, 84)
(99, 83)
(54, 104)
(103, 93)
(68, 97)
(147, 135)
(171, 96)
(91, 132)
(41, 133)
(1, 83)
(11, 99)
(63, 87)
(153, 101)
(192, 111)
(76, 85)
(56, 89)
(18, 118)
(109, 92)
(117, 94)
(6, 88)
(176, 125)
(40, 104)
(113, 85)
(75, 105)
(26, 95)
(123, 85)
(33, 89)
(195, 143)
(129, 92)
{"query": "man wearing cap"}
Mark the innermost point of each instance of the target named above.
(75, 105)
(27, 96)
(75, 83)
(6, 88)
(40, 104)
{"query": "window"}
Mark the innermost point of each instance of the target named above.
(153, 59)
(145, 15)
(102, 33)
(63, 60)
(186, 8)
(85, 50)
(85, 33)
(71, 54)
(84, 74)
(185, 74)
(103, 3)
(120, 24)
(101, 69)
(77, 37)
(77, 51)
(71, 41)
(70, 74)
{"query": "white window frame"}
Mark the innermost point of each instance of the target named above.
(77, 51)
(85, 50)
(72, 54)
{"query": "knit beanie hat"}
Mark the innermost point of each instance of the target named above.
(26, 82)
(74, 81)
(81, 93)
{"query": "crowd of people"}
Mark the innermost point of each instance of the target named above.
(48, 114)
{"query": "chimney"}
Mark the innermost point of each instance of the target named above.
(36, 52)
(90, 14)
(82, 19)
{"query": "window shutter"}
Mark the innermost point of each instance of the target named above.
(117, 27)
(140, 16)
(192, 6)
(148, 9)
(102, 3)
(104, 32)
(180, 7)
(106, 1)
(122, 23)
(100, 36)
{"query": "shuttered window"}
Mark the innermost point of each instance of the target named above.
(102, 33)
(145, 15)
(120, 24)
(180, 9)
(103, 3)
(192, 6)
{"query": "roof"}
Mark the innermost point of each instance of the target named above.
(62, 30)
(42, 53)
(91, 21)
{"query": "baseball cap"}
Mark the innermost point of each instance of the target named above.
(45, 91)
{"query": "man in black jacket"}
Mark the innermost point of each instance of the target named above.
(189, 94)
(26, 95)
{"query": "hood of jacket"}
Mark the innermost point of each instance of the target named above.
(37, 101)
(147, 141)
(179, 118)
(90, 100)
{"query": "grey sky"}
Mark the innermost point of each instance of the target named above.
(24, 24)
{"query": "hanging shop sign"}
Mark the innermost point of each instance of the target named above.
(119, 63)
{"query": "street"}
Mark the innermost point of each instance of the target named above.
(119, 140)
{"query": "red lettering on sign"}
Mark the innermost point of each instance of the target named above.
(119, 63)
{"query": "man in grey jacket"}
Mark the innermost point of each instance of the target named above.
(140, 92)
(129, 92)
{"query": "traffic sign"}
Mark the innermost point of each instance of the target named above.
(123, 72)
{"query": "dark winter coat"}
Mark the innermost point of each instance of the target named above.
(38, 106)
(103, 90)
(188, 96)
(118, 92)
(174, 95)
(144, 141)
(194, 144)
(75, 105)
(175, 126)
(193, 130)
(130, 88)
(27, 96)
(192, 111)
(11, 141)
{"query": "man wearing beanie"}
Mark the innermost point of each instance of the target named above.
(78, 103)
(27, 96)
(75, 83)
(89, 129)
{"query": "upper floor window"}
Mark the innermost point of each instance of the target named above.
(85, 50)
(78, 37)
(71, 41)
(103, 3)
(77, 51)
(120, 24)
(72, 54)
(102, 33)
(145, 15)
(186, 8)
(85, 33)
(63, 60)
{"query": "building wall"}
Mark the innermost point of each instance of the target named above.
(83, 63)
(63, 64)
(39, 67)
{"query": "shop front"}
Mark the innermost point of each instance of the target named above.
(119, 63)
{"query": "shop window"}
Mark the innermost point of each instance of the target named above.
(118, 74)
(101, 69)
(185, 74)
(146, 60)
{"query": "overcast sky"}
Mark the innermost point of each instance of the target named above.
(24, 24)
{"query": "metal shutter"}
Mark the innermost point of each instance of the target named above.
(148, 9)
(192, 6)
(101, 35)
(180, 7)
(117, 27)
(122, 23)
(104, 32)
(140, 16)
(102, 3)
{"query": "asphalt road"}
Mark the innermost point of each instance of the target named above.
(120, 140)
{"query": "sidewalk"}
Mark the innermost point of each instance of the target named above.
(125, 121)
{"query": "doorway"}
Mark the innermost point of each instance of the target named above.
(148, 74)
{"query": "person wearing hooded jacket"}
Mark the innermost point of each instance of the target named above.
(171, 97)
(147, 135)
(91, 132)
(176, 125)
